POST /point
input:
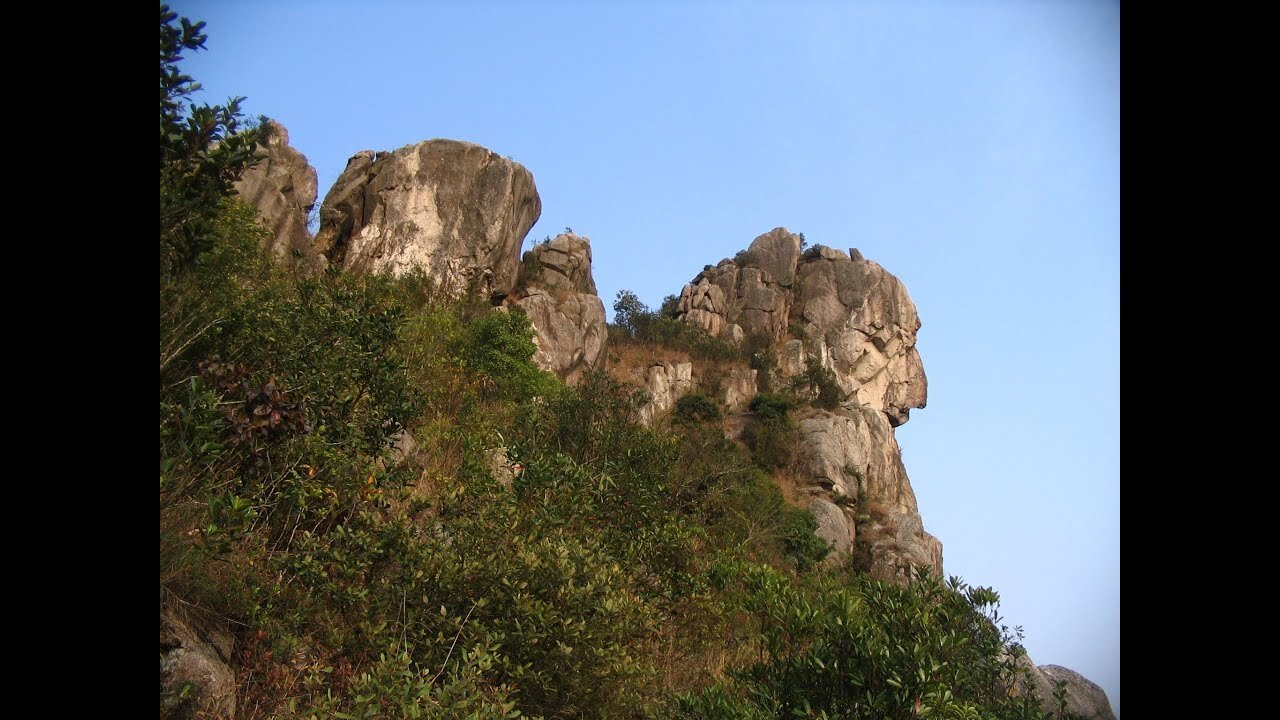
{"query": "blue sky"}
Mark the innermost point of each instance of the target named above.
(971, 148)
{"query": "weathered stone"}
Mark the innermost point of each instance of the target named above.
(853, 453)
(557, 292)
(737, 387)
(571, 331)
(282, 186)
(196, 678)
(501, 466)
(857, 318)
(860, 318)
(776, 252)
(834, 526)
(1083, 696)
(563, 262)
(734, 300)
(455, 210)
(666, 383)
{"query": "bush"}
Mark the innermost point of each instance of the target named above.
(635, 322)
(819, 384)
(770, 434)
(870, 650)
(203, 150)
(696, 408)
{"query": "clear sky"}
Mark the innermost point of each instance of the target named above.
(972, 148)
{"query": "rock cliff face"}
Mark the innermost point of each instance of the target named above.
(666, 384)
(854, 470)
(852, 317)
(282, 186)
(557, 292)
(452, 209)
(749, 295)
(855, 318)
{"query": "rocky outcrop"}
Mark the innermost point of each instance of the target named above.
(854, 472)
(736, 388)
(196, 678)
(557, 292)
(282, 186)
(1084, 697)
(666, 383)
(853, 317)
(455, 210)
(749, 295)
(859, 321)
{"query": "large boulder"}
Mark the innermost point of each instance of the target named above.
(282, 186)
(557, 292)
(1084, 697)
(452, 209)
(196, 679)
(666, 383)
(858, 488)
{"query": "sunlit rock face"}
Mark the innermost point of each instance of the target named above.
(558, 293)
(454, 210)
(848, 315)
(282, 186)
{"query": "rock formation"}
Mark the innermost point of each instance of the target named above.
(195, 671)
(852, 317)
(749, 295)
(455, 210)
(855, 473)
(666, 383)
(282, 186)
(1084, 697)
(557, 292)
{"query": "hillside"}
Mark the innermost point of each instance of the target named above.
(407, 471)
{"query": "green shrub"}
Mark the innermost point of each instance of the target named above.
(696, 408)
(819, 384)
(863, 649)
(635, 322)
(203, 150)
(770, 434)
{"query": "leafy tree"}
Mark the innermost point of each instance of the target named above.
(630, 314)
(203, 149)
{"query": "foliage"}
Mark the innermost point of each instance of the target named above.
(203, 149)
(870, 649)
(635, 322)
(696, 408)
(762, 358)
(771, 434)
(818, 384)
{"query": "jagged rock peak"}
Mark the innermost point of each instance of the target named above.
(453, 209)
(843, 310)
(282, 186)
(558, 293)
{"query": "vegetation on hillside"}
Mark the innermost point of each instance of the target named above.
(396, 514)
